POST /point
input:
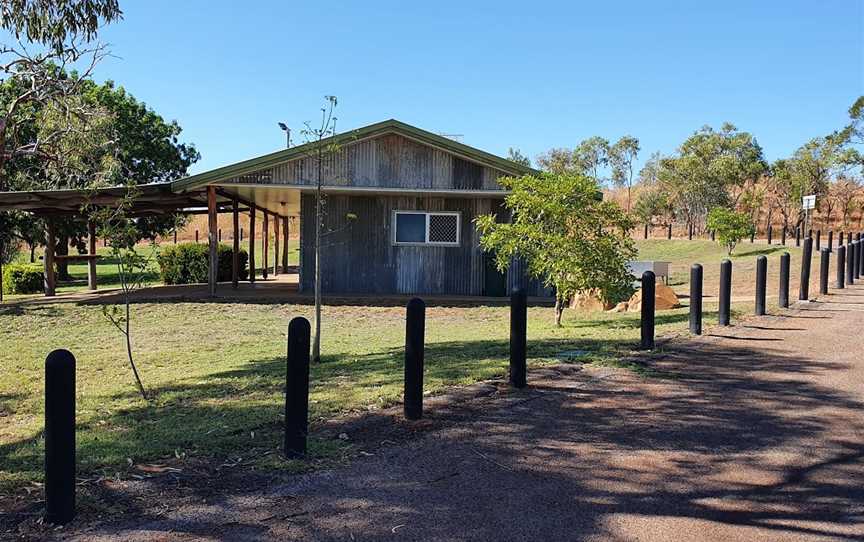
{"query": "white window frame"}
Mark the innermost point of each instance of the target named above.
(427, 242)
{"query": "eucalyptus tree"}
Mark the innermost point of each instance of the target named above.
(621, 156)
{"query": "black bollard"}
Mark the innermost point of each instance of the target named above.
(783, 236)
(752, 234)
(59, 437)
(818, 238)
(783, 297)
(669, 232)
(648, 300)
(696, 299)
(856, 268)
(297, 388)
(175, 236)
(712, 235)
(415, 330)
(798, 236)
(241, 234)
(219, 235)
(806, 256)
(841, 267)
(770, 234)
(645, 235)
(824, 262)
(830, 240)
(840, 240)
(725, 292)
(850, 262)
(690, 232)
(196, 236)
(518, 338)
(761, 278)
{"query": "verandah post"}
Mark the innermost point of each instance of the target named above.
(235, 257)
(265, 244)
(252, 244)
(48, 258)
(91, 262)
(212, 241)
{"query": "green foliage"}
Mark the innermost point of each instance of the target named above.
(709, 165)
(515, 155)
(567, 237)
(54, 23)
(23, 278)
(189, 263)
(729, 226)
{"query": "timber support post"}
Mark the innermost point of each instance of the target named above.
(59, 437)
(265, 245)
(252, 244)
(275, 245)
(297, 388)
(48, 258)
(212, 241)
(518, 338)
(235, 256)
(285, 241)
(91, 262)
(415, 331)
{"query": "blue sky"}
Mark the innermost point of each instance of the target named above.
(531, 75)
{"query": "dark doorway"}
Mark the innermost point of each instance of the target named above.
(495, 282)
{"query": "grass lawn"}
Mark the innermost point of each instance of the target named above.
(216, 370)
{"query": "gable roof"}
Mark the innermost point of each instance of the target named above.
(391, 126)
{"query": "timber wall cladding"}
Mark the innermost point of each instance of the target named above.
(391, 161)
(359, 255)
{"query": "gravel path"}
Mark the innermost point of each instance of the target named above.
(752, 432)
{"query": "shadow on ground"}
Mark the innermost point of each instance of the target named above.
(721, 438)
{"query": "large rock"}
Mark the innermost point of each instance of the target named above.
(588, 301)
(664, 299)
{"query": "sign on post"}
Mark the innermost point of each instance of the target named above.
(808, 202)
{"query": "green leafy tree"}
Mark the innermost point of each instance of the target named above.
(591, 156)
(730, 226)
(622, 154)
(515, 155)
(558, 161)
(569, 238)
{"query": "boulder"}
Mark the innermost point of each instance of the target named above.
(588, 301)
(664, 299)
(620, 307)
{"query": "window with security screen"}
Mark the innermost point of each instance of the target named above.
(426, 228)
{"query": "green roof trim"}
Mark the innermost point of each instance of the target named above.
(388, 126)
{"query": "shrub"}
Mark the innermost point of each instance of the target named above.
(188, 263)
(730, 227)
(19, 278)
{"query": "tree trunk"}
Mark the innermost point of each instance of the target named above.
(559, 311)
(32, 252)
(316, 345)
